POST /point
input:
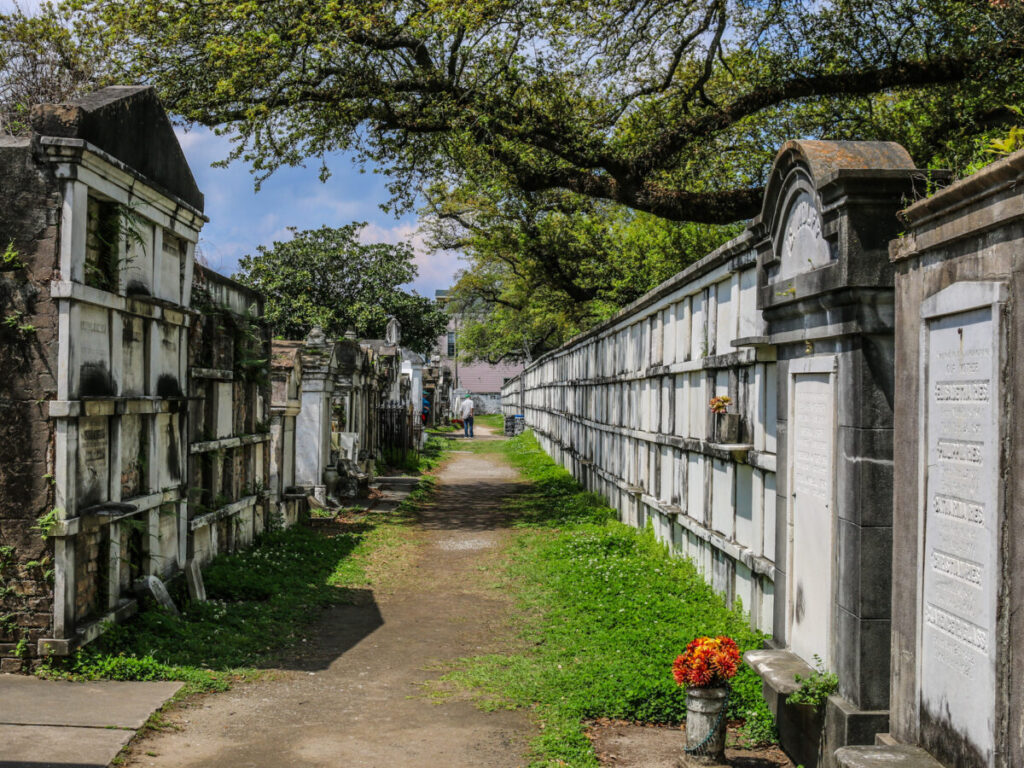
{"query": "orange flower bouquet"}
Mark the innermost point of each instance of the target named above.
(720, 404)
(707, 662)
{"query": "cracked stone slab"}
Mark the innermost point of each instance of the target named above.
(48, 746)
(29, 701)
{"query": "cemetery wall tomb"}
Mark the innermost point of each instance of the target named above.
(230, 434)
(786, 501)
(94, 375)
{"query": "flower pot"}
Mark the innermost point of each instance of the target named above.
(705, 725)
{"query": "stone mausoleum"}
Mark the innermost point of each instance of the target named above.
(102, 215)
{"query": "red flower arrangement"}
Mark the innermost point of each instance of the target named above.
(707, 662)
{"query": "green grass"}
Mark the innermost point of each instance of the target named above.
(492, 420)
(608, 610)
(261, 602)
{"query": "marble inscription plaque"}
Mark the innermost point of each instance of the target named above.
(960, 561)
(812, 456)
(93, 460)
(801, 245)
(91, 351)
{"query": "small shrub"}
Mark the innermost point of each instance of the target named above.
(816, 687)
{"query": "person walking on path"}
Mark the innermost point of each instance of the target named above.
(466, 412)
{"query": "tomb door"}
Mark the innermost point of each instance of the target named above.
(812, 469)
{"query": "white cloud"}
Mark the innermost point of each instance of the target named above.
(436, 268)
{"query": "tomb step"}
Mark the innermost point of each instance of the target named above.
(896, 756)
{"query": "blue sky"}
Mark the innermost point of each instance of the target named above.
(242, 219)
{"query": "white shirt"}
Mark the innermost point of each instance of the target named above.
(466, 409)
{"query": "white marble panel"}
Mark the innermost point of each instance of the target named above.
(169, 271)
(682, 408)
(139, 260)
(771, 403)
(683, 330)
(665, 385)
(812, 558)
(668, 323)
(745, 587)
(223, 410)
(745, 505)
(90, 350)
(133, 359)
(801, 245)
(750, 317)
(727, 309)
(961, 557)
(698, 332)
(168, 358)
(723, 499)
(695, 486)
(168, 451)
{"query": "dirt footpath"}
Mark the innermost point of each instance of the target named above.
(353, 699)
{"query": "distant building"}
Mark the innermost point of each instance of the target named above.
(479, 379)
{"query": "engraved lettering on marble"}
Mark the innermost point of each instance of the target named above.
(93, 460)
(960, 558)
(802, 246)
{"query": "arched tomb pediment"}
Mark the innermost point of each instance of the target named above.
(797, 222)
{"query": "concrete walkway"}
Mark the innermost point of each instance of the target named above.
(355, 697)
(72, 725)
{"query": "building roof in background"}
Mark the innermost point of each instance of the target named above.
(485, 378)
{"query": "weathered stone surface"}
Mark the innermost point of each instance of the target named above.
(885, 757)
(32, 701)
(154, 588)
(958, 581)
(194, 580)
(150, 147)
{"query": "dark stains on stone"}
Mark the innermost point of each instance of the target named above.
(173, 464)
(941, 737)
(137, 288)
(94, 380)
(168, 386)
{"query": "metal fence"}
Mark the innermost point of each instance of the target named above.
(397, 432)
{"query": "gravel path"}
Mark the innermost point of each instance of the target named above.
(354, 698)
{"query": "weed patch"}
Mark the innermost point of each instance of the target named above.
(261, 601)
(610, 608)
(416, 462)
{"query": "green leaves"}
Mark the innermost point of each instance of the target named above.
(326, 277)
(546, 266)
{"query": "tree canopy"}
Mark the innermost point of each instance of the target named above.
(669, 107)
(325, 277)
(545, 266)
(47, 57)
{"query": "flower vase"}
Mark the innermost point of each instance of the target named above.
(727, 428)
(705, 726)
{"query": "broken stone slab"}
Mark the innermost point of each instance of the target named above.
(152, 586)
(30, 701)
(897, 756)
(194, 580)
